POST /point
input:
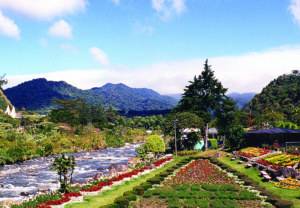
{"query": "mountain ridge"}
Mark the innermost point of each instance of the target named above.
(38, 95)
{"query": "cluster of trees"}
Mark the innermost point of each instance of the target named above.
(279, 101)
(204, 102)
(74, 126)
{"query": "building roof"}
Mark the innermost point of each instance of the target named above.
(274, 131)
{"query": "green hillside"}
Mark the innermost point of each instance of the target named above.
(280, 96)
(3, 101)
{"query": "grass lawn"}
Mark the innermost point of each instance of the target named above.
(108, 197)
(253, 173)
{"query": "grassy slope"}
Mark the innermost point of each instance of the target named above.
(4, 101)
(108, 197)
(253, 173)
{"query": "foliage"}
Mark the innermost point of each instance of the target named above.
(64, 166)
(234, 136)
(148, 122)
(203, 96)
(114, 138)
(279, 96)
(286, 124)
(77, 112)
(187, 152)
(33, 203)
(142, 152)
(155, 144)
(3, 81)
(213, 143)
(184, 120)
(4, 102)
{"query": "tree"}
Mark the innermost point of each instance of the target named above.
(64, 166)
(3, 81)
(155, 144)
(77, 112)
(184, 120)
(226, 115)
(203, 96)
(235, 136)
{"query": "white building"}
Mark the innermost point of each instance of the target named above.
(12, 112)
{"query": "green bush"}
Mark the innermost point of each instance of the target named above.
(213, 143)
(139, 190)
(155, 144)
(122, 202)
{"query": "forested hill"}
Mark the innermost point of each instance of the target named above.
(38, 95)
(282, 95)
(138, 99)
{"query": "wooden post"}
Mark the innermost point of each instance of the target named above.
(206, 137)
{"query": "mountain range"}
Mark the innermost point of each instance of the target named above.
(38, 95)
(241, 99)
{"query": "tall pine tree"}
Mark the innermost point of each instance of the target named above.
(204, 96)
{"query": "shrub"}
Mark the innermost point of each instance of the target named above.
(139, 190)
(122, 202)
(146, 185)
(213, 143)
(155, 144)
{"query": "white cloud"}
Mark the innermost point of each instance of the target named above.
(295, 10)
(43, 9)
(243, 73)
(116, 2)
(99, 55)
(61, 29)
(8, 27)
(168, 8)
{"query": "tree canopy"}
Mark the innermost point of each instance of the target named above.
(204, 95)
(155, 144)
(279, 100)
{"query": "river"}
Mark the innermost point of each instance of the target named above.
(22, 181)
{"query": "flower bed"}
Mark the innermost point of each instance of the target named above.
(199, 184)
(289, 183)
(65, 198)
(199, 171)
(283, 159)
(251, 152)
(268, 164)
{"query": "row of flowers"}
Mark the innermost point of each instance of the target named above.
(276, 161)
(251, 152)
(289, 183)
(283, 159)
(99, 185)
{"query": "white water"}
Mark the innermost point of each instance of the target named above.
(33, 176)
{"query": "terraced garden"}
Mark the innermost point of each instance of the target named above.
(200, 184)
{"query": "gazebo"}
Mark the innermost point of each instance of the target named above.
(271, 136)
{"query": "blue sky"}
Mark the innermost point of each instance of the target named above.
(129, 41)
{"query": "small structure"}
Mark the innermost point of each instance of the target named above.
(12, 112)
(190, 130)
(271, 136)
(213, 132)
(199, 145)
